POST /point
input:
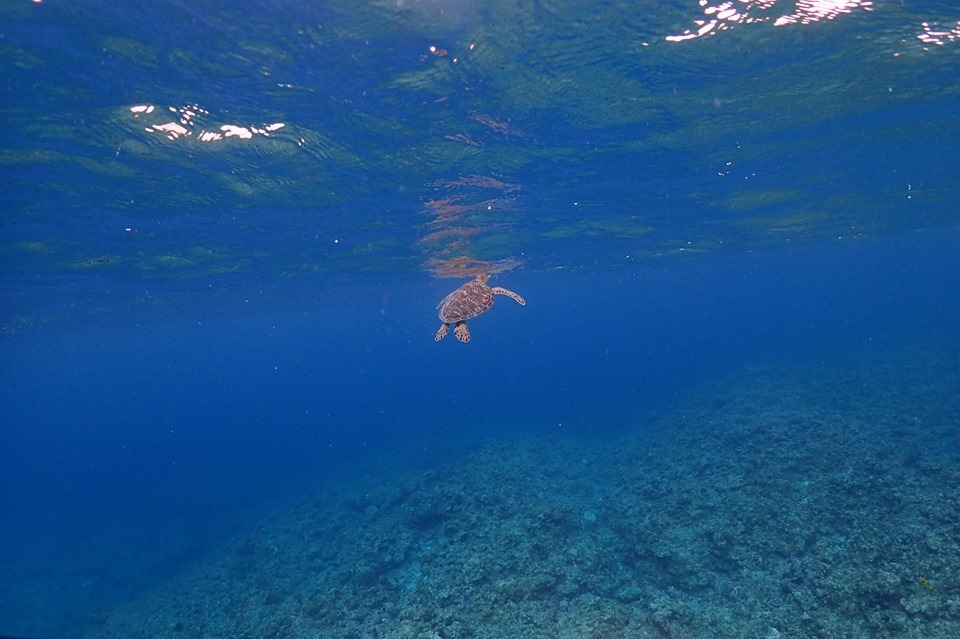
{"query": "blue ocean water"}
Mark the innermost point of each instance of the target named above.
(226, 228)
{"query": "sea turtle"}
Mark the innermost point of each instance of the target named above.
(467, 302)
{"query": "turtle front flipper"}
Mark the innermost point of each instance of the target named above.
(462, 332)
(442, 332)
(499, 290)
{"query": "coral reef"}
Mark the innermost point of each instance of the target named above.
(816, 501)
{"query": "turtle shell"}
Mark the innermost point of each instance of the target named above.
(466, 302)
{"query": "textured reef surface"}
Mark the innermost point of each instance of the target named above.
(807, 500)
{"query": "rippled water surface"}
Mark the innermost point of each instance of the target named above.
(179, 141)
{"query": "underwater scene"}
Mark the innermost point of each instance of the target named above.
(466, 319)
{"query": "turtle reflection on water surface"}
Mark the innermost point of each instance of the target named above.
(467, 302)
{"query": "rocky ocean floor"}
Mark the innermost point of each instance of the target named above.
(808, 501)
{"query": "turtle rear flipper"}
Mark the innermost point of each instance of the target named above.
(499, 290)
(462, 332)
(442, 332)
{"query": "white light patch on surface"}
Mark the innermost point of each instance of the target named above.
(188, 120)
(938, 36)
(723, 16)
(809, 11)
(236, 131)
(172, 129)
(731, 13)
